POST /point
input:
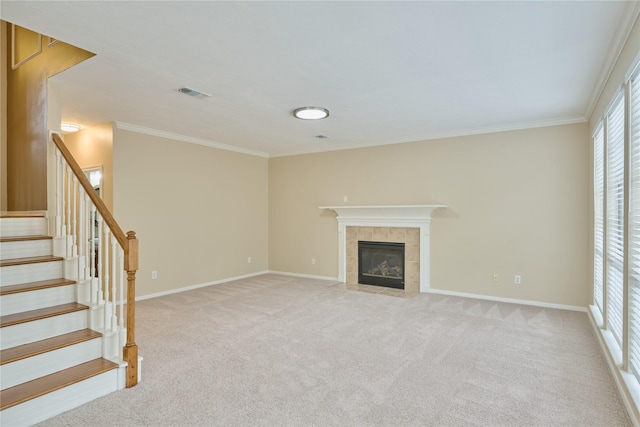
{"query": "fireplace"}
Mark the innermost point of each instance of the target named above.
(381, 264)
(401, 223)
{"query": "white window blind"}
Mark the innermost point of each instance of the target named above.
(634, 223)
(598, 232)
(615, 218)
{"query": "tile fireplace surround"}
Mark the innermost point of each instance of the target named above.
(408, 224)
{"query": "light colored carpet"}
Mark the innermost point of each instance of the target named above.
(283, 351)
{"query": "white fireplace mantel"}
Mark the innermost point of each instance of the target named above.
(418, 216)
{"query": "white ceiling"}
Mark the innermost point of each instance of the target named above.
(389, 71)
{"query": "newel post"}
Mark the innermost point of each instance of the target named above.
(130, 351)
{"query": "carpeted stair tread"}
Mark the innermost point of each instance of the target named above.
(29, 260)
(43, 346)
(42, 313)
(47, 384)
(34, 286)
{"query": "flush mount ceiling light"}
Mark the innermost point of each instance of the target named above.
(69, 127)
(311, 113)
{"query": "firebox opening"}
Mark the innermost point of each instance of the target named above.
(381, 264)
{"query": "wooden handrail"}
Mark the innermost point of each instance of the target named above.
(93, 195)
(129, 244)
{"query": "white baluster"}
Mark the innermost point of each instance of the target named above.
(98, 245)
(104, 251)
(74, 217)
(92, 238)
(81, 234)
(114, 279)
(95, 282)
(59, 211)
(62, 198)
(68, 204)
(122, 297)
(88, 243)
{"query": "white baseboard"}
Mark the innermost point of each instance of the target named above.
(307, 276)
(508, 300)
(335, 279)
(200, 285)
(627, 385)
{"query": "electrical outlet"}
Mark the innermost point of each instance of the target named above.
(517, 279)
(496, 277)
(313, 261)
(248, 260)
(346, 199)
(154, 274)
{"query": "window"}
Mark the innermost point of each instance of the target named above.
(634, 223)
(615, 219)
(598, 218)
(616, 232)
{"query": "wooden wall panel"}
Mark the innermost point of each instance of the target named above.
(32, 61)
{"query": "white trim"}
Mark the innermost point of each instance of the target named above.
(317, 149)
(597, 315)
(15, 65)
(404, 216)
(198, 286)
(336, 279)
(189, 139)
(629, 16)
(442, 135)
(306, 276)
(596, 129)
(508, 300)
(627, 385)
(633, 69)
(617, 95)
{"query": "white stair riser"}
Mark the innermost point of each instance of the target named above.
(23, 333)
(15, 227)
(41, 408)
(25, 248)
(21, 371)
(113, 342)
(33, 300)
(83, 292)
(25, 273)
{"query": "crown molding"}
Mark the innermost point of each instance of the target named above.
(285, 153)
(189, 139)
(629, 17)
(445, 134)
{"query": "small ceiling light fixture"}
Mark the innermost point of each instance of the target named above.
(194, 93)
(69, 127)
(311, 113)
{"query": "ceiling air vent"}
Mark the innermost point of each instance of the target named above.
(193, 92)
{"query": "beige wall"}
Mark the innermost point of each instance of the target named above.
(518, 204)
(93, 147)
(199, 212)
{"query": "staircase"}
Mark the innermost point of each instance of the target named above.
(50, 358)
